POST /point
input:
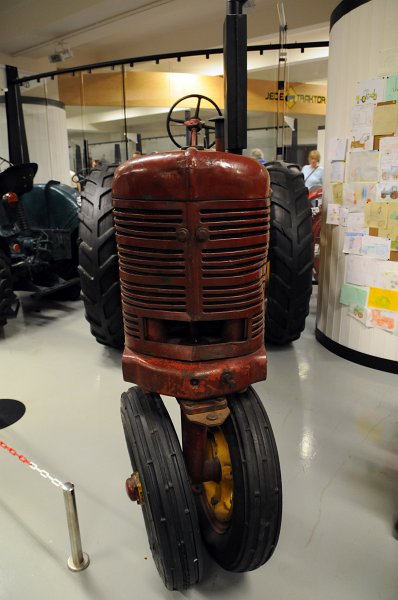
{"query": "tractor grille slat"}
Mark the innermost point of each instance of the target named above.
(131, 325)
(235, 222)
(222, 299)
(147, 224)
(240, 266)
(258, 325)
(149, 261)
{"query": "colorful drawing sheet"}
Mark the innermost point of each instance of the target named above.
(343, 216)
(376, 214)
(363, 166)
(391, 91)
(361, 139)
(333, 214)
(387, 192)
(357, 194)
(352, 294)
(370, 91)
(337, 149)
(382, 319)
(362, 117)
(376, 247)
(360, 313)
(360, 270)
(355, 221)
(389, 145)
(383, 299)
(356, 242)
(353, 242)
(385, 119)
(392, 234)
(337, 193)
(389, 159)
(337, 171)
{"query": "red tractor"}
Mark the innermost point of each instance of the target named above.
(192, 231)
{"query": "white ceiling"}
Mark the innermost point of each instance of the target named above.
(104, 30)
(99, 30)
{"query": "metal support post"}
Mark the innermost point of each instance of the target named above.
(78, 560)
(235, 77)
(17, 143)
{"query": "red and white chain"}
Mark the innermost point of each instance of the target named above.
(32, 465)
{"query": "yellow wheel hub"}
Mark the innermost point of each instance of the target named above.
(219, 495)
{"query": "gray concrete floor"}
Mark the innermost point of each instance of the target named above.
(336, 425)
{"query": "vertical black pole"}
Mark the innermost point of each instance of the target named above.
(86, 154)
(17, 143)
(235, 77)
(118, 154)
(138, 145)
(78, 159)
(187, 116)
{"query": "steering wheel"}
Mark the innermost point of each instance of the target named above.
(195, 123)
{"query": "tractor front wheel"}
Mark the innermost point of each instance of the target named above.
(240, 515)
(161, 485)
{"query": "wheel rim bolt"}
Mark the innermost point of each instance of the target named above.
(133, 488)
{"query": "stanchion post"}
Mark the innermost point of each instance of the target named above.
(78, 560)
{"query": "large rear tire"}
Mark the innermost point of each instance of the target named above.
(290, 255)
(98, 263)
(166, 497)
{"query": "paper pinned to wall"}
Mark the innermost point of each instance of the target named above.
(360, 313)
(376, 247)
(343, 216)
(337, 171)
(333, 214)
(384, 299)
(389, 145)
(337, 193)
(361, 139)
(385, 119)
(353, 242)
(370, 91)
(337, 149)
(389, 169)
(362, 117)
(391, 91)
(376, 214)
(392, 215)
(357, 194)
(392, 234)
(352, 294)
(387, 192)
(382, 319)
(360, 270)
(355, 221)
(364, 166)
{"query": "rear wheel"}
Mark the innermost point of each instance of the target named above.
(290, 255)
(7, 297)
(240, 515)
(164, 489)
(98, 263)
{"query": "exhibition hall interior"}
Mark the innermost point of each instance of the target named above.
(199, 299)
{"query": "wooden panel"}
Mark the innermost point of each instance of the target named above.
(163, 89)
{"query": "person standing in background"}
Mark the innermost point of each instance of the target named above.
(258, 155)
(313, 172)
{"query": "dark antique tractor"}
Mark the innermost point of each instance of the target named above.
(192, 234)
(38, 238)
